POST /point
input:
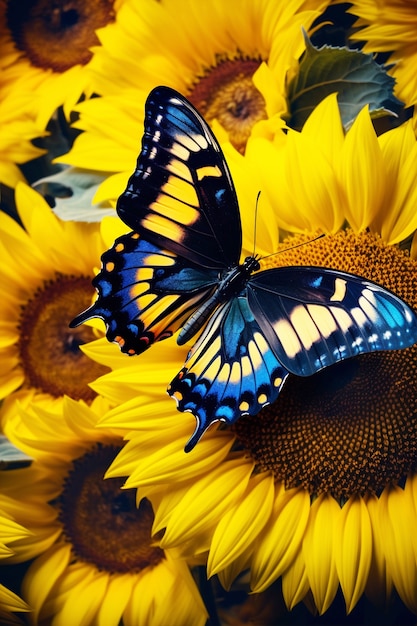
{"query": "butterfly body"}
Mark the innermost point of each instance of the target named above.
(230, 285)
(180, 270)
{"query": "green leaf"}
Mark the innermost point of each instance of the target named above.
(355, 76)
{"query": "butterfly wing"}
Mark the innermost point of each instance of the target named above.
(145, 293)
(181, 196)
(230, 371)
(182, 205)
(315, 317)
(287, 320)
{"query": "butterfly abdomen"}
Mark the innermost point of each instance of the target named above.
(231, 283)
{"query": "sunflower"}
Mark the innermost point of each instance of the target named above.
(45, 49)
(328, 459)
(214, 53)
(46, 270)
(93, 559)
(389, 26)
(319, 488)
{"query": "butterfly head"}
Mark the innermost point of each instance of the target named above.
(251, 264)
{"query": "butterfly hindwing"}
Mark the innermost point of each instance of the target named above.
(315, 317)
(145, 293)
(181, 195)
(230, 371)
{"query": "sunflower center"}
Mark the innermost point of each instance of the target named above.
(58, 34)
(351, 428)
(49, 350)
(102, 522)
(226, 92)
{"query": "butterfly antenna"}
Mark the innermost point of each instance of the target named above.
(256, 223)
(297, 245)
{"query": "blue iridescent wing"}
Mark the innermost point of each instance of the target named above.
(287, 320)
(181, 196)
(315, 317)
(230, 371)
(145, 293)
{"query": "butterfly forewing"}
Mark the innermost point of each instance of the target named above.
(181, 195)
(314, 317)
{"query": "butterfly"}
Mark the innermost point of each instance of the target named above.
(179, 270)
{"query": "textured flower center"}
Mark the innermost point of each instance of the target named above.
(102, 522)
(49, 350)
(226, 92)
(58, 34)
(351, 428)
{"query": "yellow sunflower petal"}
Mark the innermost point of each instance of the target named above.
(43, 574)
(310, 196)
(248, 184)
(16, 245)
(164, 504)
(17, 128)
(353, 550)
(90, 596)
(189, 607)
(120, 587)
(229, 574)
(102, 352)
(37, 217)
(169, 463)
(164, 597)
(10, 602)
(241, 524)
(363, 172)
(295, 583)
(403, 214)
(10, 174)
(281, 538)
(397, 508)
(318, 549)
(10, 530)
(112, 187)
(141, 413)
(125, 383)
(206, 501)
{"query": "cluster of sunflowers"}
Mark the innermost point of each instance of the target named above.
(311, 505)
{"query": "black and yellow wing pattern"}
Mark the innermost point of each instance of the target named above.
(180, 270)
